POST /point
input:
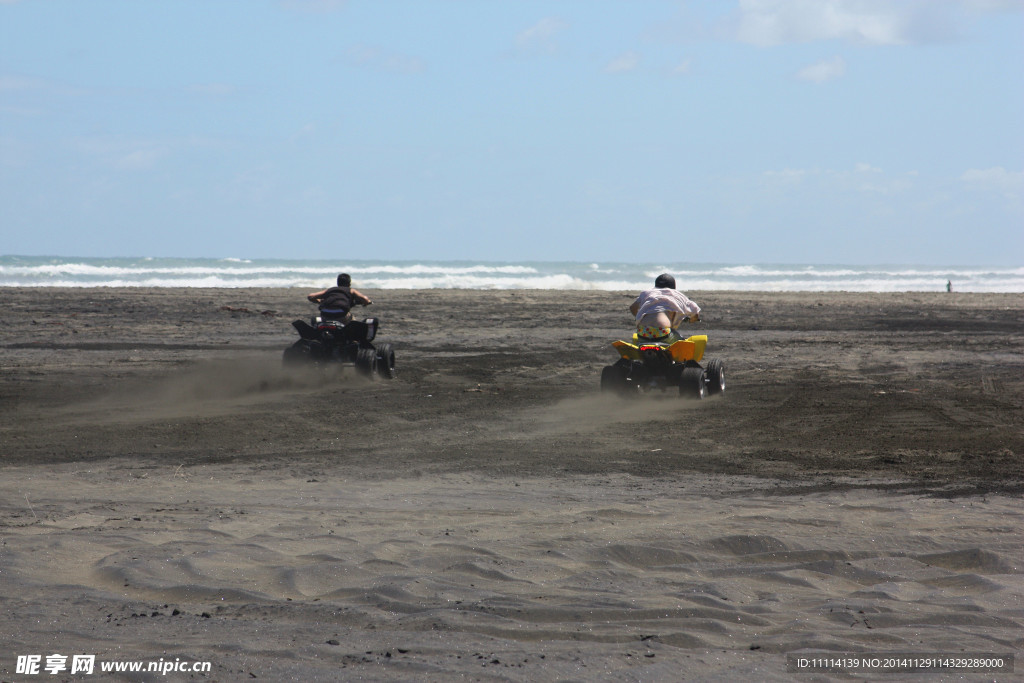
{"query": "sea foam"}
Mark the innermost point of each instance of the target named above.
(23, 271)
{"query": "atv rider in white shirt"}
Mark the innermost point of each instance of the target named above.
(661, 310)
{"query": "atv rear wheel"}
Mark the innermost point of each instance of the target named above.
(615, 378)
(612, 378)
(692, 383)
(386, 361)
(297, 353)
(366, 361)
(716, 377)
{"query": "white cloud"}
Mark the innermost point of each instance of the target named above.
(998, 179)
(372, 57)
(21, 111)
(872, 22)
(314, 6)
(994, 5)
(823, 71)
(213, 89)
(682, 68)
(863, 178)
(140, 159)
(16, 83)
(786, 177)
(20, 83)
(124, 153)
(541, 37)
(623, 63)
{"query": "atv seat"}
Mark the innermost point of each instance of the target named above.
(663, 339)
(338, 314)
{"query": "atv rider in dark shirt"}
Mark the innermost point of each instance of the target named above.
(336, 302)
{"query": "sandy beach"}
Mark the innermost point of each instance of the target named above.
(171, 492)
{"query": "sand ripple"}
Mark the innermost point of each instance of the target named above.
(635, 567)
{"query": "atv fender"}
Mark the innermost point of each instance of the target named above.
(691, 348)
(305, 330)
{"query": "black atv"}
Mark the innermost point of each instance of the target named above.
(350, 343)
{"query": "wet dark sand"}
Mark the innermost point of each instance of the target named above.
(170, 490)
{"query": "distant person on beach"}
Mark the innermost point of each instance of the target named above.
(336, 302)
(949, 285)
(661, 310)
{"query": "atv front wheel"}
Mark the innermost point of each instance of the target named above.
(692, 383)
(716, 376)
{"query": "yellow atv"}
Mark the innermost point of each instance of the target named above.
(648, 364)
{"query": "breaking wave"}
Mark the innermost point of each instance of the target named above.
(21, 271)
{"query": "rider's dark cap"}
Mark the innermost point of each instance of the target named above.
(665, 281)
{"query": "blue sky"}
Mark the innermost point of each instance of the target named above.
(748, 131)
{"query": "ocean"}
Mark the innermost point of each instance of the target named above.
(35, 271)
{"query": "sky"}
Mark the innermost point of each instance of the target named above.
(716, 131)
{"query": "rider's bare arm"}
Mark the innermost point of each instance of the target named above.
(316, 296)
(360, 298)
(684, 317)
